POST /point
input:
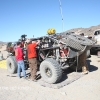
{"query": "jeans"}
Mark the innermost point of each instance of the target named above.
(21, 66)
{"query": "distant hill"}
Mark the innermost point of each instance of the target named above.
(86, 31)
(2, 44)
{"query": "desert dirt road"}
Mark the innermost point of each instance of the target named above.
(85, 88)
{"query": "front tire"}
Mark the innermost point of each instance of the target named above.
(50, 70)
(11, 65)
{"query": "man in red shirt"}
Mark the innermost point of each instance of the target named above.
(20, 62)
(32, 57)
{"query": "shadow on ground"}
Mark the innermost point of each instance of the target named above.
(68, 76)
(91, 67)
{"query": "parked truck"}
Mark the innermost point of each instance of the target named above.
(96, 38)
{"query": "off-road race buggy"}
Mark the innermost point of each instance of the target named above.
(55, 53)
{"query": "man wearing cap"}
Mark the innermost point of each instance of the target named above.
(32, 57)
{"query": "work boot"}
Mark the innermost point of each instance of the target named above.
(34, 80)
(26, 78)
(85, 70)
(19, 77)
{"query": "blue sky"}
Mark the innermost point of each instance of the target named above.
(35, 17)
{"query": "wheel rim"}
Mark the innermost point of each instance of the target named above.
(10, 65)
(48, 72)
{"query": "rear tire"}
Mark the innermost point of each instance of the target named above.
(11, 64)
(50, 70)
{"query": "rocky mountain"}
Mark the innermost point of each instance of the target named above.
(86, 31)
(2, 44)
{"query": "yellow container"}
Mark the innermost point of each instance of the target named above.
(51, 31)
(3, 64)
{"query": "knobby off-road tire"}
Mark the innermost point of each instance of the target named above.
(78, 42)
(11, 64)
(50, 70)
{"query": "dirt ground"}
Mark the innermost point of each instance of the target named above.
(85, 88)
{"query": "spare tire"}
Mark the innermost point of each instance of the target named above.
(81, 40)
(11, 64)
(78, 42)
(50, 70)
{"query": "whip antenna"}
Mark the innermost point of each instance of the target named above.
(61, 16)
